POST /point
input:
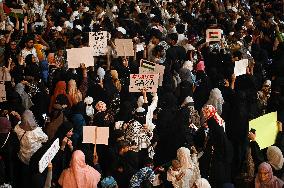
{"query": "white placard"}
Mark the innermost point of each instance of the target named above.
(98, 41)
(49, 155)
(140, 81)
(240, 67)
(76, 56)
(213, 35)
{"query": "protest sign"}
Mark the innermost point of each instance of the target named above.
(213, 35)
(266, 129)
(152, 68)
(98, 41)
(241, 67)
(95, 135)
(141, 81)
(124, 47)
(49, 155)
(76, 56)
(2, 91)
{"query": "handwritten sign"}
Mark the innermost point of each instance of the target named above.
(140, 81)
(213, 35)
(49, 155)
(152, 68)
(90, 135)
(76, 56)
(98, 41)
(124, 47)
(2, 91)
(241, 67)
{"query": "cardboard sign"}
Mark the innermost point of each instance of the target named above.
(76, 56)
(124, 47)
(266, 129)
(241, 67)
(2, 91)
(140, 81)
(213, 35)
(95, 135)
(17, 11)
(49, 155)
(152, 68)
(98, 41)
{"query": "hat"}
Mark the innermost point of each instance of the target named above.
(122, 30)
(5, 125)
(200, 66)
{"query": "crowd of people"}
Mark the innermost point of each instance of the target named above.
(192, 133)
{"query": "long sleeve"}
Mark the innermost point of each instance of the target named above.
(257, 156)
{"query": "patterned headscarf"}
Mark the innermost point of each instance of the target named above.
(101, 106)
(210, 111)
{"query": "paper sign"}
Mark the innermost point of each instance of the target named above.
(266, 129)
(140, 81)
(2, 91)
(17, 11)
(150, 67)
(241, 67)
(49, 155)
(76, 56)
(98, 40)
(124, 47)
(89, 135)
(213, 35)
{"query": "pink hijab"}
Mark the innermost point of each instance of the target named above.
(79, 174)
(272, 182)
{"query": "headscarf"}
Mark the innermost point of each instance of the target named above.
(202, 183)
(101, 106)
(216, 100)
(5, 125)
(272, 182)
(63, 129)
(108, 182)
(183, 155)
(60, 88)
(143, 174)
(28, 122)
(26, 101)
(79, 174)
(116, 82)
(210, 111)
(200, 66)
(275, 157)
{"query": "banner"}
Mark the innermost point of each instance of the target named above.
(95, 135)
(76, 56)
(266, 129)
(124, 47)
(213, 35)
(98, 41)
(49, 155)
(2, 91)
(140, 81)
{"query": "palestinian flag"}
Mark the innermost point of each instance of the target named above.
(148, 65)
(214, 34)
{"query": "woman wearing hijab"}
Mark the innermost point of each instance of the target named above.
(276, 160)
(263, 95)
(201, 183)
(79, 174)
(31, 138)
(32, 69)
(26, 100)
(60, 88)
(73, 92)
(215, 163)
(266, 179)
(9, 146)
(189, 165)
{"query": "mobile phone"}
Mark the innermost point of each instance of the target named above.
(252, 131)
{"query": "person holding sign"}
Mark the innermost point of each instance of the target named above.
(79, 174)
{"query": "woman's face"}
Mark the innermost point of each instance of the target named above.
(33, 59)
(263, 175)
(70, 133)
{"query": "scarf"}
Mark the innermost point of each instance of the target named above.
(79, 174)
(271, 182)
(210, 111)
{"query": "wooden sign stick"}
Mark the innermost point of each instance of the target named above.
(95, 147)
